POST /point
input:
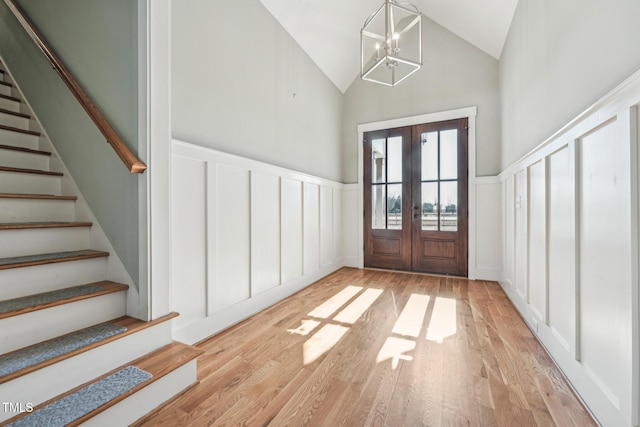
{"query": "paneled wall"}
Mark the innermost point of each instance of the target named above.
(570, 259)
(244, 235)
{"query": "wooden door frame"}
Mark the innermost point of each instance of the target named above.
(468, 113)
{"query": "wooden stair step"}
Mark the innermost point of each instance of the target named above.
(15, 113)
(25, 150)
(30, 171)
(129, 324)
(158, 363)
(10, 98)
(38, 225)
(42, 259)
(35, 196)
(6, 84)
(23, 305)
(14, 129)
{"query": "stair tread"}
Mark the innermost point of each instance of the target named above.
(15, 113)
(41, 224)
(36, 196)
(25, 150)
(15, 129)
(27, 304)
(10, 98)
(127, 326)
(158, 364)
(6, 84)
(30, 171)
(50, 258)
(66, 410)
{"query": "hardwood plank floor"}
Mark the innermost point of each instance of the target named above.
(378, 348)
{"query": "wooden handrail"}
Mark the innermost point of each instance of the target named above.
(132, 162)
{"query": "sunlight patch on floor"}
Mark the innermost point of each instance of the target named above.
(305, 328)
(443, 320)
(409, 322)
(357, 308)
(322, 341)
(332, 305)
(394, 349)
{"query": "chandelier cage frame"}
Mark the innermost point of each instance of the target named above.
(383, 67)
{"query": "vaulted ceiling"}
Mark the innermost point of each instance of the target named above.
(329, 30)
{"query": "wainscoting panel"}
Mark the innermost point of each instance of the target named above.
(537, 278)
(488, 251)
(326, 226)
(605, 258)
(521, 267)
(337, 224)
(561, 240)
(266, 223)
(351, 213)
(291, 214)
(189, 243)
(231, 209)
(508, 235)
(311, 227)
(570, 255)
(245, 235)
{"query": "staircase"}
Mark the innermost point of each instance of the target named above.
(69, 354)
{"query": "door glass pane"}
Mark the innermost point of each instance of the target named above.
(429, 142)
(378, 161)
(378, 207)
(449, 154)
(449, 206)
(394, 159)
(430, 206)
(394, 207)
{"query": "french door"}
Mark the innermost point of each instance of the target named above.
(415, 198)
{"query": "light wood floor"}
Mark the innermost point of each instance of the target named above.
(404, 350)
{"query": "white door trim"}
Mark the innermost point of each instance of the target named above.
(469, 113)
(154, 86)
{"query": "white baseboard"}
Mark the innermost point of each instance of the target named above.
(206, 327)
(488, 274)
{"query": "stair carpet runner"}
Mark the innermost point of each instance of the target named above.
(88, 398)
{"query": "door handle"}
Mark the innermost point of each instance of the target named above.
(416, 216)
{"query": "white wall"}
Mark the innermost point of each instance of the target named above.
(242, 85)
(559, 58)
(570, 262)
(244, 235)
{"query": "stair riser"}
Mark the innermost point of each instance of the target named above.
(29, 183)
(20, 282)
(34, 210)
(84, 367)
(18, 139)
(27, 329)
(10, 105)
(5, 90)
(14, 121)
(19, 159)
(15, 243)
(147, 399)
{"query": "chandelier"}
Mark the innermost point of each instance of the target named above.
(391, 43)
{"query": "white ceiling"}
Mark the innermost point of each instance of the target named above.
(329, 30)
